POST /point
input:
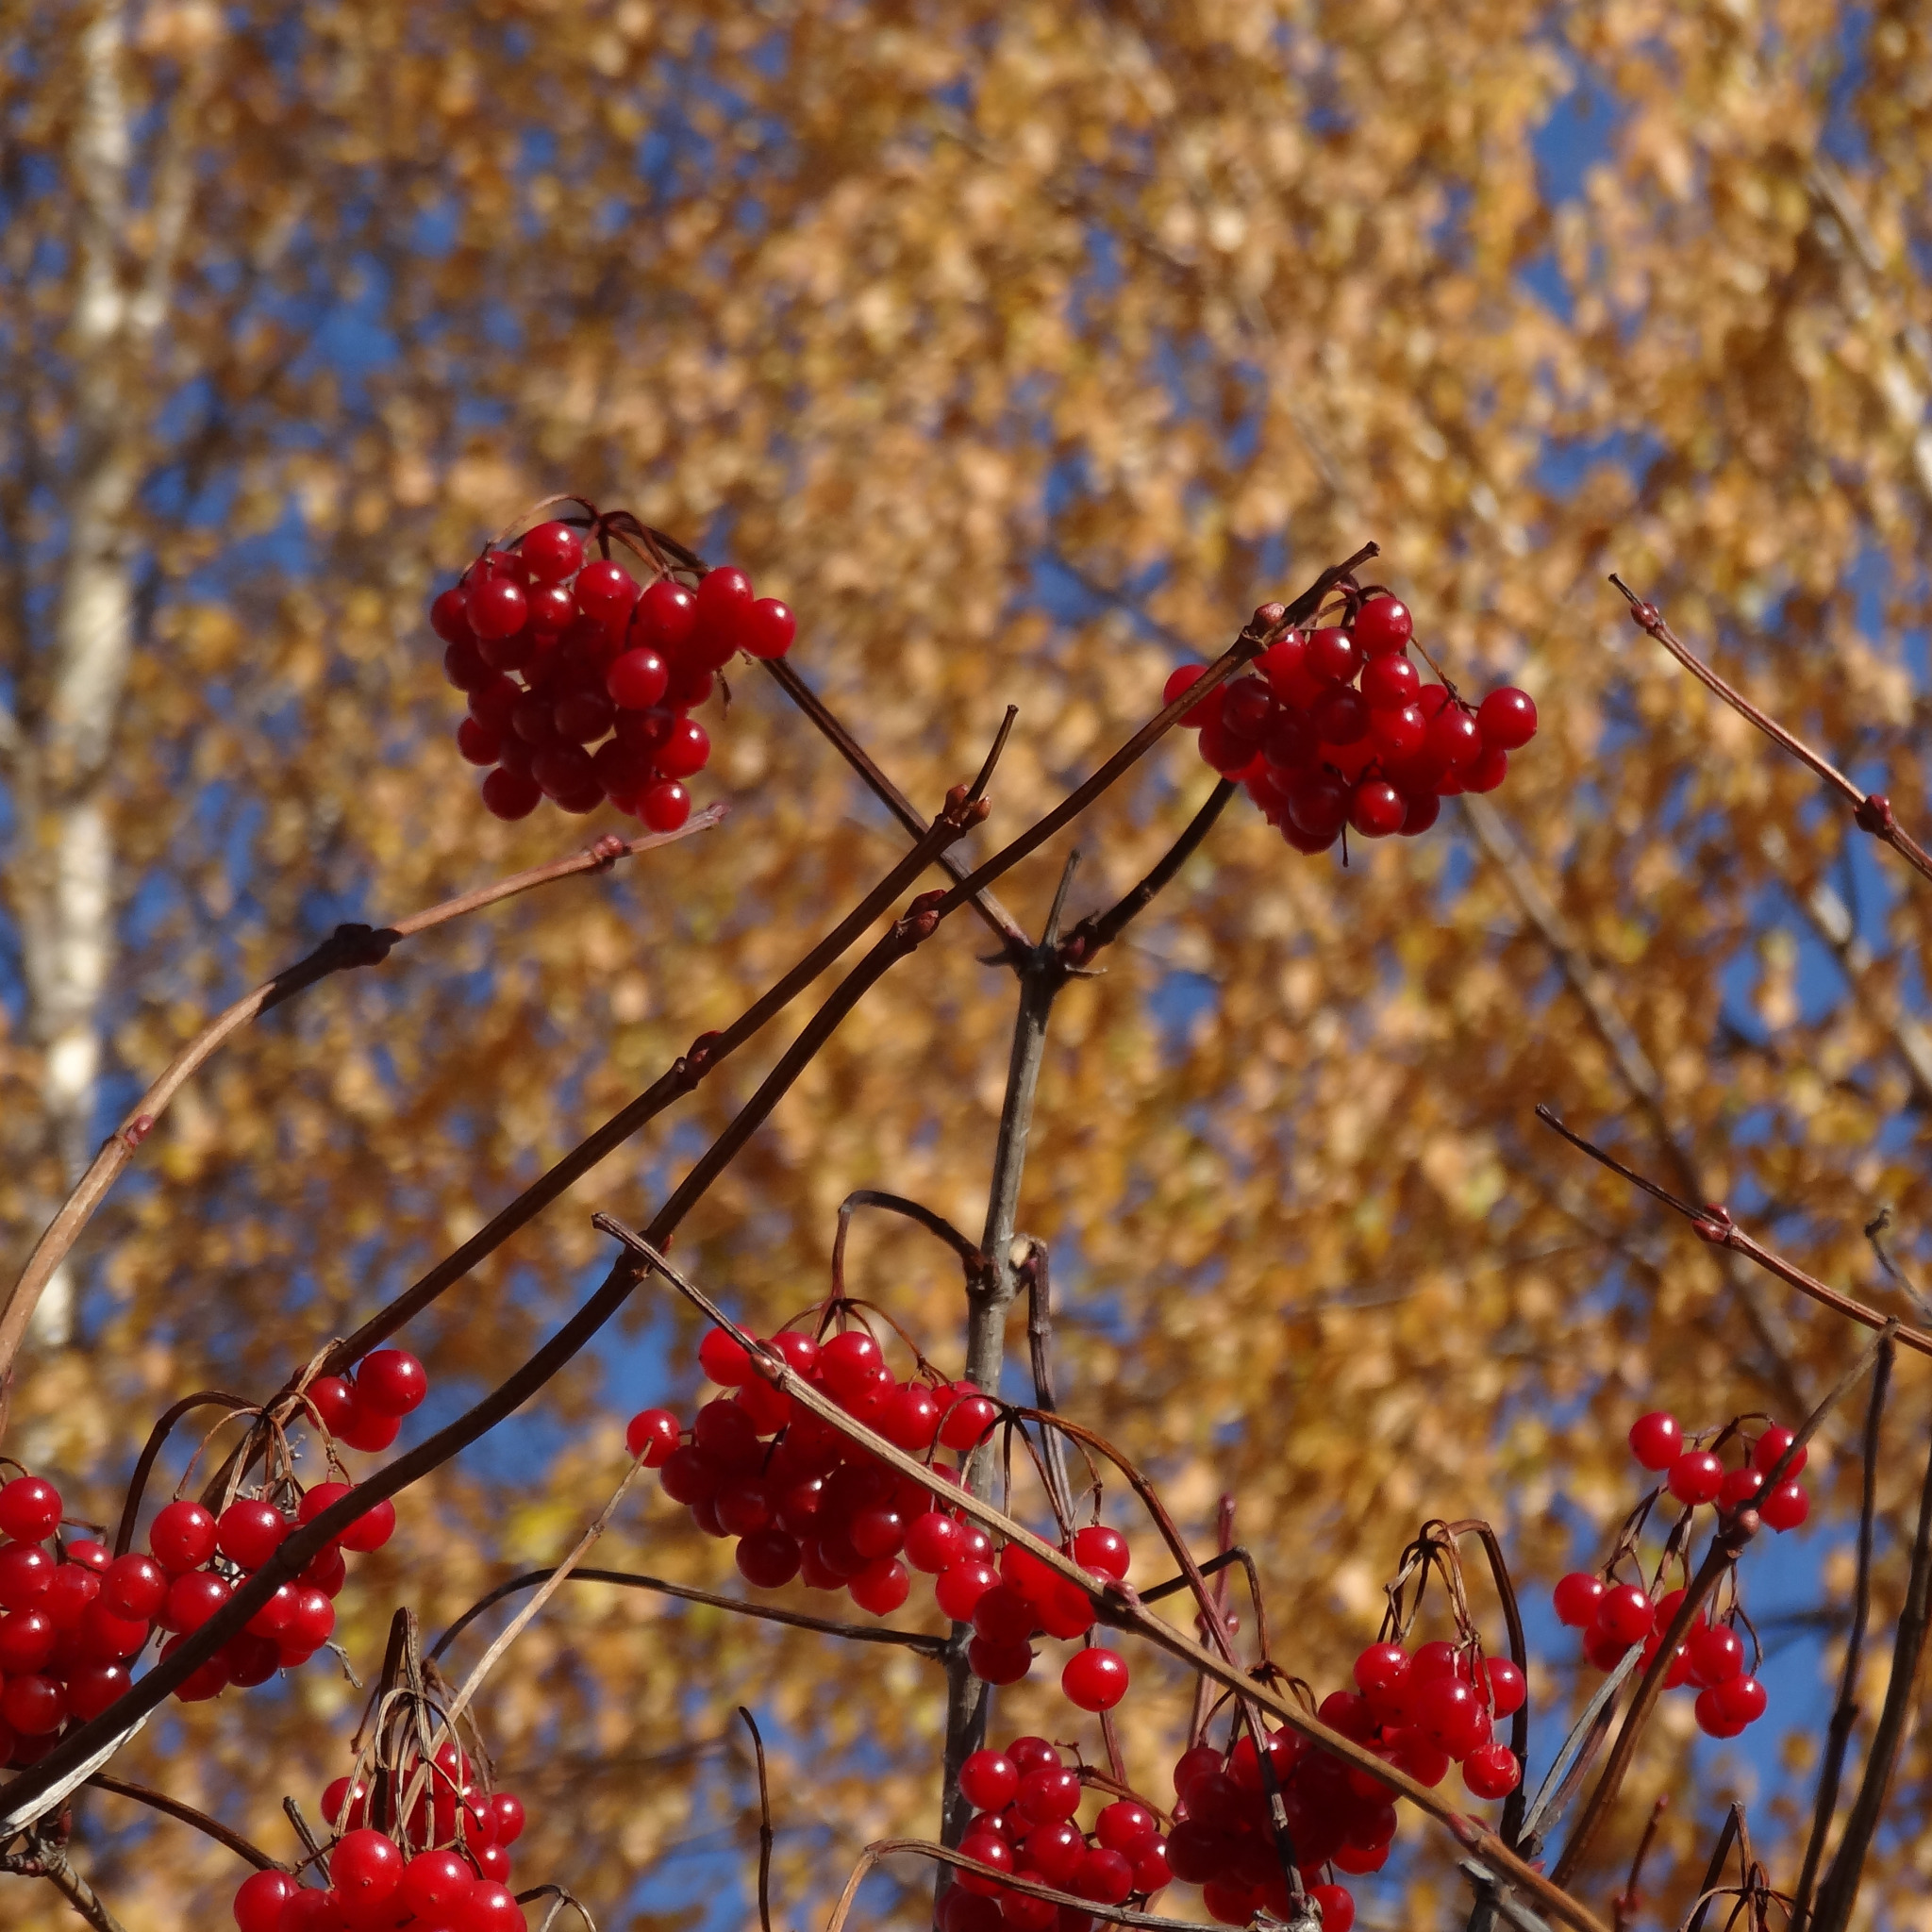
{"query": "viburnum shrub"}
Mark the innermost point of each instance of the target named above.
(991, 1538)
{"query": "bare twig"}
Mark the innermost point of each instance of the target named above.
(758, 1745)
(347, 947)
(1732, 1829)
(1845, 1711)
(1629, 1902)
(1874, 1233)
(1099, 930)
(186, 1814)
(1870, 810)
(1839, 1892)
(1115, 1604)
(1712, 1223)
(630, 1579)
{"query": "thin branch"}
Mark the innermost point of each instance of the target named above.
(1567, 1767)
(347, 947)
(1839, 1890)
(1726, 1837)
(1099, 930)
(1629, 1902)
(757, 1744)
(158, 1436)
(186, 1814)
(1115, 1604)
(1875, 1234)
(1734, 1533)
(1845, 1711)
(1712, 1223)
(1870, 810)
(81, 1895)
(629, 1579)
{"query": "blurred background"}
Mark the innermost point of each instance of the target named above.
(1022, 348)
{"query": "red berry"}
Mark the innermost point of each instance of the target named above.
(392, 1381)
(969, 1419)
(1740, 1486)
(1507, 1690)
(882, 1586)
(1449, 1714)
(134, 1585)
(1711, 1720)
(1764, 1453)
(768, 629)
(1626, 1614)
(723, 611)
(652, 1437)
(1603, 1650)
(1333, 656)
(1382, 624)
(1102, 1549)
(1492, 1772)
(507, 1817)
(508, 795)
(1095, 1679)
(26, 1641)
(1248, 709)
(478, 742)
(29, 1509)
(433, 1884)
(998, 1663)
(1380, 1668)
(250, 1531)
(1696, 1476)
(1740, 1699)
(1318, 805)
(449, 616)
(605, 590)
(313, 1618)
(1337, 1906)
(552, 552)
(492, 1906)
(365, 1868)
(1049, 1794)
(1390, 682)
(1125, 1827)
(1716, 1656)
(726, 1362)
(1507, 718)
(768, 1559)
(463, 666)
(1656, 1440)
(1785, 1507)
(182, 1537)
(552, 610)
(258, 1902)
(1376, 808)
(371, 1529)
(665, 616)
(1454, 737)
(665, 806)
(33, 1705)
(1340, 716)
(193, 1599)
(1421, 811)
(497, 607)
(987, 1781)
(983, 1848)
(637, 680)
(107, 1638)
(1104, 1876)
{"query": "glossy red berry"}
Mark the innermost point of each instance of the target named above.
(1740, 1699)
(1248, 709)
(605, 590)
(1786, 1507)
(664, 619)
(1382, 624)
(723, 611)
(449, 616)
(968, 1419)
(1507, 718)
(768, 1559)
(1334, 656)
(1340, 716)
(1626, 1614)
(182, 1537)
(1183, 680)
(1421, 812)
(882, 1586)
(433, 1884)
(29, 1509)
(1656, 1440)
(1695, 1477)
(985, 1848)
(1095, 1679)
(497, 607)
(250, 1531)
(1486, 771)
(768, 630)
(1376, 810)
(637, 680)
(1449, 1715)
(392, 1381)
(26, 1641)
(1507, 1689)
(1716, 1656)
(259, 1902)
(726, 1362)
(1577, 1596)
(1318, 805)
(492, 1906)
(1103, 1549)
(1491, 1771)
(509, 795)
(1764, 1452)
(998, 1663)
(107, 1638)
(134, 1585)
(665, 806)
(478, 742)
(193, 1599)
(552, 552)
(1454, 737)
(988, 1780)
(33, 1705)
(652, 1437)
(1390, 682)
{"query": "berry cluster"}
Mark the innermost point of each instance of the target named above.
(447, 1872)
(1615, 1616)
(1419, 1713)
(1338, 731)
(805, 1501)
(1026, 1800)
(582, 682)
(77, 1619)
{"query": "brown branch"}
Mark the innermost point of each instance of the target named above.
(186, 1814)
(1870, 810)
(1114, 1603)
(1845, 1711)
(1839, 1890)
(1099, 930)
(630, 1579)
(1734, 1533)
(757, 1744)
(1726, 1837)
(1712, 1223)
(1629, 1902)
(51, 1863)
(158, 1436)
(347, 947)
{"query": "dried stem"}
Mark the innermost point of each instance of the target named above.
(758, 1745)
(186, 1814)
(1870, 810)
(158, 1436)
(1839, 1890)
(1734, 1534)
(1733, 1828)
(1712, 1223)
(1099, 930)
(51, 1863)
(1114, 1603)
(1845, 1711)
(629, 1579)
(347, 947)
(1629, 1902)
